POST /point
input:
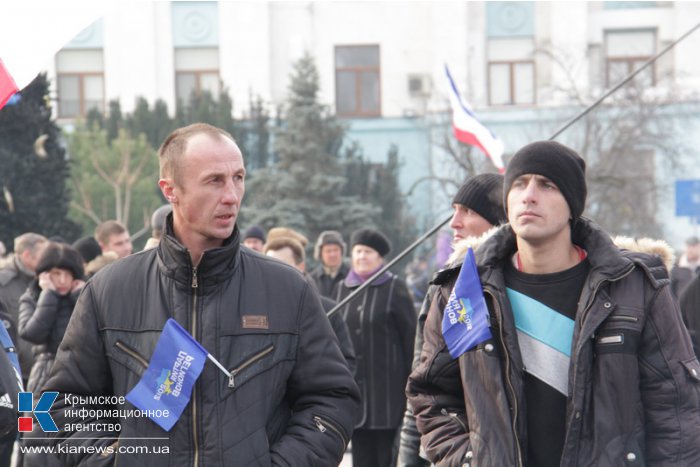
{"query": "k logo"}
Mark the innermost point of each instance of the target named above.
(41, 411)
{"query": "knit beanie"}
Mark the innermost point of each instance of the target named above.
(88, 248)
(373, 239)
(62, 256)
(254, 231)
(560, 164)
(329, 237)
(483, 194)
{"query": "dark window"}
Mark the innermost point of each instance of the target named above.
(357, 88)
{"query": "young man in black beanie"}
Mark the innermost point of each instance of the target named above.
(589, 362)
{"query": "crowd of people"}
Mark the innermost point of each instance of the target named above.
(589, 359)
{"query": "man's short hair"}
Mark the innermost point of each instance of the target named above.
(175, 145)
(278, 243)
(692, 241)
(108, 228)
(28, 241)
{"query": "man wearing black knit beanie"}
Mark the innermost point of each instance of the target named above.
(587, 362)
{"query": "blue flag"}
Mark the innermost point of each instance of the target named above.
(465, 323)
(167, 383)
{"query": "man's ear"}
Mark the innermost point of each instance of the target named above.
(167, 187)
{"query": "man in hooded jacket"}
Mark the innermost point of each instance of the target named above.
(589, 363)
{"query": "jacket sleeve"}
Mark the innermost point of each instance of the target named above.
(322, 394)
(37, 318)
(690, 308)
(405, 317)
(670, 385)
(81, 371)
(344, 340)
(409, 443)
(434, 392)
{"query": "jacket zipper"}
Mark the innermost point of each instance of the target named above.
(321, 424)
(249, 362)
(131, 352)
(195, 285)
(514, 423)
(583, 320)
(455, 417)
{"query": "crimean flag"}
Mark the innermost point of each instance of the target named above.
(166, 386)
(33, 31)
(465, 323)
(7, 85)
(469, 130)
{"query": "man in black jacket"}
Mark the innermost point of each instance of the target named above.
(587, 362)
(291, 399)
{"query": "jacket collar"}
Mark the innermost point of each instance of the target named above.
(216, 265)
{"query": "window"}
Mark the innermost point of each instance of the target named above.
(196, 71)
(357, 88)
(625, 51)
(80, 82)
(511, 71)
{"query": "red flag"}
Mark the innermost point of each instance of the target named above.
(7, 85)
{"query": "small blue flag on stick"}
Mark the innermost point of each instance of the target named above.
(167, 383)
(465, 323)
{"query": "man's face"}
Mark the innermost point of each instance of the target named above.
(119, 244)
(254, 244)
(30, 258)
(207, 197)
(331, 255)
(467, 223)
(692, 252)
(537, 211)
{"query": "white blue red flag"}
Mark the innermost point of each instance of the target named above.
(166, 386)
(469, 130)
(465, 322)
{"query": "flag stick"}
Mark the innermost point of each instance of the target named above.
(437, 227)
(221, 367)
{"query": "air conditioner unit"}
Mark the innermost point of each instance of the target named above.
(419, 85)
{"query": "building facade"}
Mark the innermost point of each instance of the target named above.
(525, 68)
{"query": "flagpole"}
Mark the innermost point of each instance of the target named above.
(437, 226)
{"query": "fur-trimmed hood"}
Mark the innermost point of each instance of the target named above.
(638, 245)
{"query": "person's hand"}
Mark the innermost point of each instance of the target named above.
(77, 285)
(45, 282)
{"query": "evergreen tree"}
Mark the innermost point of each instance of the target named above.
(34, 168)
(306, 188)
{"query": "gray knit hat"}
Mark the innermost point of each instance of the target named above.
(328, 237)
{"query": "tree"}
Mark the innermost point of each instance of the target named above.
(306, 188)
(111, 178)
(34, 168)
(626, 143)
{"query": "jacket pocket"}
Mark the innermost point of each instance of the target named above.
(692, 366)
(128, 357)
(324, 425)
(247, 356)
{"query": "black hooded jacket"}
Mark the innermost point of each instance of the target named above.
(633, 383)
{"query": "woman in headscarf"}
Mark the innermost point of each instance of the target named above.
(382, 323)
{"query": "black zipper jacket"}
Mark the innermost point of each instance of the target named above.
(634, 382)
(293, 399)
